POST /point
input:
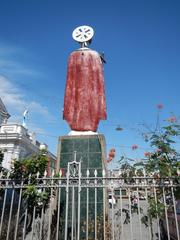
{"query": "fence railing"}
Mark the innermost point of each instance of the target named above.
(89, 206)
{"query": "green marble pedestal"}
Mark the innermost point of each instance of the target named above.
(91, 151)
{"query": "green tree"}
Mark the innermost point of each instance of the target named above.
(28, 171)
(161, 162)
(164, 160)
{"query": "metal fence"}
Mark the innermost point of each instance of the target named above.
(90, 206)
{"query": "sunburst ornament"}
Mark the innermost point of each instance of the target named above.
(83, 35)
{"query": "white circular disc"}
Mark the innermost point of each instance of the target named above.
(83, 33)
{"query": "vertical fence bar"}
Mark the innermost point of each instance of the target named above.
(166, 215)
(67, 204)
(3, 208)
(18, 211)
(79, 202)
(50, 209)
(139, 213)
(25, 222)
(146, 182)
(175, 213)
(130, 213)
(42, 212)
(156, 201)
(121, 206)
(87, 205)
(32, 231)
(10, 214)
(95, 205)
(95, 213)
(41, 222)
(112, 212)
(58, 212)
(87, 213)
(50, 213)
(104, 204)
(72, 219)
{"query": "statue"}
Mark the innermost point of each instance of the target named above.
(84, 100)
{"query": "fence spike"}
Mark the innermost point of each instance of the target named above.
(178, 172)
(38, 173)
(103, 172)
(95, 172)
(53, 173)
(120, 172)
(29, 177)
(87, 172)
(8, 174)
(60, 173)
(1, 174)
(45, 173)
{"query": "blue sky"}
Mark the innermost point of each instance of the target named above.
(140, 40)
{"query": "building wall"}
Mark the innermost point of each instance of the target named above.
(16, 143)
(4, 115)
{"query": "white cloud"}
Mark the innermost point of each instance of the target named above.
(16, 75)
(10, 64)
(14, 99)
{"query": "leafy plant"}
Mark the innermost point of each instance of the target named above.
(161, 162)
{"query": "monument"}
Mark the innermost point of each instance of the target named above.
(84, 107)
(84, 101)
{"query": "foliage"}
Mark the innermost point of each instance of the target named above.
(30, 166)
(164, 159)
(156, 208)
(161, 162)
(27, 171)
(35, 197)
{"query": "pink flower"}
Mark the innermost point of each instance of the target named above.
(172, 119)
(160, 106)
(109, 160)
(159, 150)
(147, 154)
(112, 150)
(134, 147)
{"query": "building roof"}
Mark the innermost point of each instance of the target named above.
(3, 110)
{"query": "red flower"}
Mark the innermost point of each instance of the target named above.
(172, 119)
(159, 150)
(109, 159)
(112, 153)
(112, 150)
(134, 147)
(147, 154)
(160, 106)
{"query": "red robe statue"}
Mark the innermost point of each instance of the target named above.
(84, 101)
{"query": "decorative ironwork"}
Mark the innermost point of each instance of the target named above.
(72, 209)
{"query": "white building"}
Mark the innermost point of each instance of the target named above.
(17, 143)
(4, 115)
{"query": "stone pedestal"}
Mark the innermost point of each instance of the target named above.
(91, 151)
